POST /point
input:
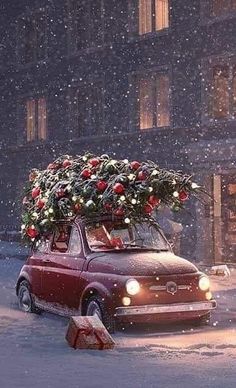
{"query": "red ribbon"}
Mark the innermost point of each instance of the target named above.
(89, 331)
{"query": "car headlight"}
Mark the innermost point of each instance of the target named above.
(204, 283)
(132, 286)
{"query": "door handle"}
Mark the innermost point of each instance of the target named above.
(46, 261)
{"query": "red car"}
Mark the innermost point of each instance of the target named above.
(116, 270)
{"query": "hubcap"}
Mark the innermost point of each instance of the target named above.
(24, 299)
(94, 310)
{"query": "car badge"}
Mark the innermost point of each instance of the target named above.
(171, 288)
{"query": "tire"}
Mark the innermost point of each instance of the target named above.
(203, 321)
(25, 300)
(96, 306)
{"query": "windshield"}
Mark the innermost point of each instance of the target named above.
(107, 235)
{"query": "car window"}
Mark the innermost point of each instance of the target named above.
(75, 242)
(42, 246)
(61, 238)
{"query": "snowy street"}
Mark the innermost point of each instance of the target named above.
(34, 352)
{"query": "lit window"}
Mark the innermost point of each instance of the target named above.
(153, 15)
(154, 110)
(36, 125)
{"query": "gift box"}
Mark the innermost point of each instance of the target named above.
(88, 333)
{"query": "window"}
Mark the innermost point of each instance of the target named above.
(87, 18)
(61, 238)
(75, 243)
(153, 15)
(223, 92)
(36, 126)
(221, 7)
(32, 38)
(88, 105)
(153, 95)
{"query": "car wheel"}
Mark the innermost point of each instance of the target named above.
(25, 300)
(203, 321)
(96, 307)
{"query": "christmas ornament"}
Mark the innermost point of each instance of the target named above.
(86, 173)
(32, 232)
(118, 188)
(40, 204)
(101, 185)
(66, 163)
(135, 165)
(183, 196)
(35, 192)
(94, 162)
(91, 185)
(142, 176)
(148, 209)
(119, 212)
(153, 201)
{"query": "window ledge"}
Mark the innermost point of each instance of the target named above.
(216, 19)
(149, 35)
(212, 122)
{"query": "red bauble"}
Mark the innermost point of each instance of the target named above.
(154, 201)
(183, 196)
(51, 166)
(118, 188)
(60, 193)
(40, 204)
(77, 207)
(108, 207)
(94, 162)
(142, 176)
(32, 232)
(86, 173)
(147, 208)
(135, 165)
(101, 185)
(119, 212)
(35, 192)
(66, 163)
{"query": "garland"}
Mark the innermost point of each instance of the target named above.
(92, 185)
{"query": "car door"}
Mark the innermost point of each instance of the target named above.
(36, 263)
(65, 263)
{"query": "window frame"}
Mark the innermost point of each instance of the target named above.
(208, 65)
(32, 15)
(73, 229)
(133, 23)
(208, 18)
(134, 113)
(80, 131)
(72, 36)
(37, 130)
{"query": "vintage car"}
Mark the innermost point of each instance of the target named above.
(119, 271)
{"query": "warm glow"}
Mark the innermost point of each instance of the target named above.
(204, 283)
(132, 286)
(126, 301)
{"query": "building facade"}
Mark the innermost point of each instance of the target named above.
(141, 79)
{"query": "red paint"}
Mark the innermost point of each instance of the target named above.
(66, 279)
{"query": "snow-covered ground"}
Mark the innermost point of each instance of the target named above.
(34, 353)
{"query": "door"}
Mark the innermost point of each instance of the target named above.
(60, 277)
(229, 217)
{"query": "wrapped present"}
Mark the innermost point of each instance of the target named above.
(88, 333)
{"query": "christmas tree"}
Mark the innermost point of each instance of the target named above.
(92, 185)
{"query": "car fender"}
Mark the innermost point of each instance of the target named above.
(96, 288)
(22, 276)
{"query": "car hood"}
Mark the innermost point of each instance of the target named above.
(144, 263)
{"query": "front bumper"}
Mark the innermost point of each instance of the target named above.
(179, 311)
